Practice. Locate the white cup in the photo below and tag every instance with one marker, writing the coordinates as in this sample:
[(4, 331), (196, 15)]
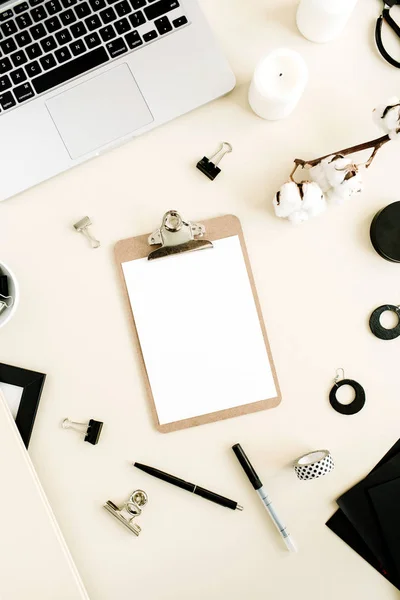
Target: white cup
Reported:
[(323, 20), (13, 290)]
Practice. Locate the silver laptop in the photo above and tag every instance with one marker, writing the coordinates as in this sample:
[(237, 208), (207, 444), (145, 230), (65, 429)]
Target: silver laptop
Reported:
[(78, 77)]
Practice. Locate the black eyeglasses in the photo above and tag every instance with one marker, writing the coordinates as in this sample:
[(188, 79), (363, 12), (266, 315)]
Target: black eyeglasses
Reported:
[(385, 16)]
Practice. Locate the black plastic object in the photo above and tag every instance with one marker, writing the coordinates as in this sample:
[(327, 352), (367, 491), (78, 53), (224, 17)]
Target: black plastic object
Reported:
[(217, 498), (385, 500), (358, 508), (385, 232), (93, 432), (247, 466), (375, 324), (345, 529), (355, 406), (385, 16), (208, 168), (4, 286), (189, 487)]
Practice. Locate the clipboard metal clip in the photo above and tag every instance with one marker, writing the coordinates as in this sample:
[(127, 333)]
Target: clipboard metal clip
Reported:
[(177, 236), (129, 511)]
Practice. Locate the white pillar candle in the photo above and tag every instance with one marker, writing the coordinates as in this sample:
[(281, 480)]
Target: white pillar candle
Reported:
[(278, 84), (323, 20)]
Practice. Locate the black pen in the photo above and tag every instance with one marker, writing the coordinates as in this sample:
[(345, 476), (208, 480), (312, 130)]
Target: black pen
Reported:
[(189, 487)]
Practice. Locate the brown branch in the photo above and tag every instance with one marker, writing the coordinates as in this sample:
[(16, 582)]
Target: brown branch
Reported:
[(374, 153), (296, 166), (375, 144)]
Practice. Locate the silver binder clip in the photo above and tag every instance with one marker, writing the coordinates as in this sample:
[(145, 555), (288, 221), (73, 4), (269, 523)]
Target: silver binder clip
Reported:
[(82, 226), (176, 236), (129, 511)]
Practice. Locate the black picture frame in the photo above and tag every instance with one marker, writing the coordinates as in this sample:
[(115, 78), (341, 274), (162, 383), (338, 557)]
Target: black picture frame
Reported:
[(32, 384)]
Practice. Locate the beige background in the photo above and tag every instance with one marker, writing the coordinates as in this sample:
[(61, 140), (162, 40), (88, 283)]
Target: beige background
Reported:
[(317, 286)]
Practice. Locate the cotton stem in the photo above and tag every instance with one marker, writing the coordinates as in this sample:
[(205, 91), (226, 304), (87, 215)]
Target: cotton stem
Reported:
[(375, 144)]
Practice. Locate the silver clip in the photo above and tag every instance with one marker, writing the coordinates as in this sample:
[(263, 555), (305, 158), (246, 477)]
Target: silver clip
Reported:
[(129, 511), (82, 226), (224, 148), (176, 236)]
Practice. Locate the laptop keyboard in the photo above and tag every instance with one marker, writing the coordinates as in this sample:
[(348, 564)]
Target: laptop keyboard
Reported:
[(44, 44)]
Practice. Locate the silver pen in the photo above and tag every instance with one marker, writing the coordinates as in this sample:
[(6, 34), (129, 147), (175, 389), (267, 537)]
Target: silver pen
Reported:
[(258, 486)]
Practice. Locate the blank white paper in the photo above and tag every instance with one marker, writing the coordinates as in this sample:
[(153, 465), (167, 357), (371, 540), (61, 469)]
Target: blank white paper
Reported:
[(35, 562), (13, 395), (199, 331)]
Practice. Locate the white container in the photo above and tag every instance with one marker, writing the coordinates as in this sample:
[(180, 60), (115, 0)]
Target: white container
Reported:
[(278, 83), (13, 290), (323, 20)]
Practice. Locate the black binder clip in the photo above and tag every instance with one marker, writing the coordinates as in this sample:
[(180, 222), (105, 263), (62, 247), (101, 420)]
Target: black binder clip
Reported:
[(93, 429), (210, 168)]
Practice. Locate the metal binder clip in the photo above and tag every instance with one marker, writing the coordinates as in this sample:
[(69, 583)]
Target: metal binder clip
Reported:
[(210, 168), (176, 236), (93, 429), (129, 511), (82, 226)]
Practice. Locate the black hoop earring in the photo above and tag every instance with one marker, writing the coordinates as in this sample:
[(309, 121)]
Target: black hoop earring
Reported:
[(358, 402), (385, 16), (375, 324)]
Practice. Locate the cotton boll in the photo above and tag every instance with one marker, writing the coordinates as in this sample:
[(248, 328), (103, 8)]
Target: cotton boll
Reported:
[(395, 133), (347, 189), (334, 197), (313, 199), (287, 200), (377, 117), (393, 100), (336, 170), (318, 175), (298, 217), (387, 116), (354, 184), (330, 171)]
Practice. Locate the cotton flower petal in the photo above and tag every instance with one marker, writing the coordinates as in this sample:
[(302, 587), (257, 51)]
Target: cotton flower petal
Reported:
[(287, 200), (387, 116), (347, 189), (330, 171), (393, 100), (313, 199), (335, 198), (395, 133), (318, 175), (298, 217), (336, 171)]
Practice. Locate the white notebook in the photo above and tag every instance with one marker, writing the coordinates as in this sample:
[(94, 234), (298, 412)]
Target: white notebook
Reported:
[(200, 332), (35, 562)]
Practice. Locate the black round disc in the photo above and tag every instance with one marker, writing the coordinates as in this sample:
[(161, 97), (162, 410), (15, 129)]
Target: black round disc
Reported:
[(375, 324), (355, 406), (385, 232)]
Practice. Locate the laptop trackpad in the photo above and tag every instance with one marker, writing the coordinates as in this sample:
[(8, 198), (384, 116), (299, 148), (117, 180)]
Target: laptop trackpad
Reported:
[(99, 111)]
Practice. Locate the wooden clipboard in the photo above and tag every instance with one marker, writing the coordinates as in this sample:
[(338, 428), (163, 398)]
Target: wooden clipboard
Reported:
[(216, 229)]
